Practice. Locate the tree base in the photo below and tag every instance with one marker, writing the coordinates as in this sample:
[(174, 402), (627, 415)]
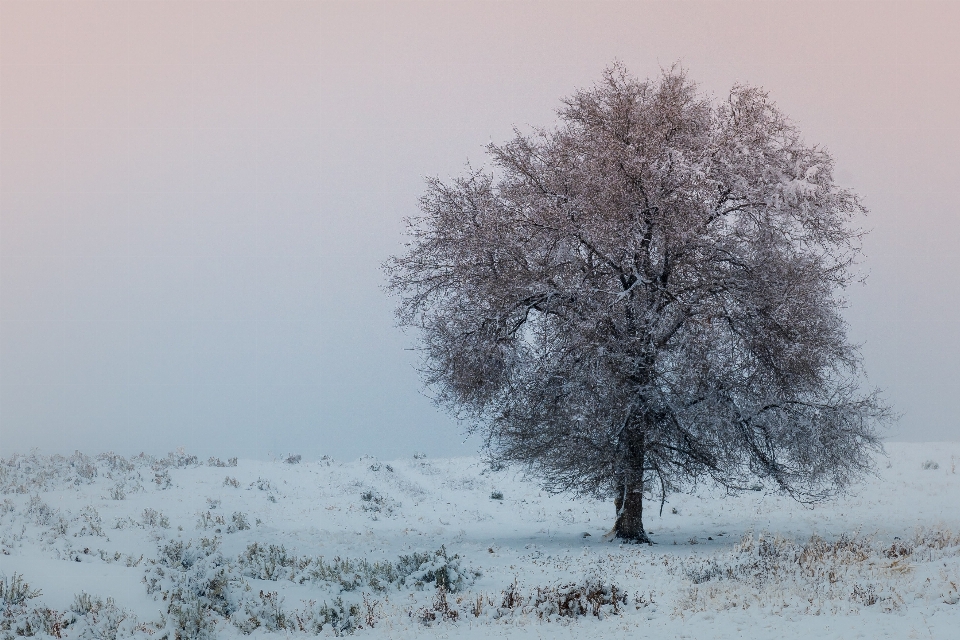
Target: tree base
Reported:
[(628, 528), (641, 538)]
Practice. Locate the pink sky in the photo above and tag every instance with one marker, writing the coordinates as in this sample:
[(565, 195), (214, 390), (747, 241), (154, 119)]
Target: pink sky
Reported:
[(195, 196)]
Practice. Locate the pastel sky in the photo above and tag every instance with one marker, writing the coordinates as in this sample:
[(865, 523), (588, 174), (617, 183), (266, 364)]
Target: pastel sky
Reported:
[(195, 197)]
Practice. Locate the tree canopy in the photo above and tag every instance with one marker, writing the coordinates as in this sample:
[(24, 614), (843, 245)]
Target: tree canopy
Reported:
[(646, 296)]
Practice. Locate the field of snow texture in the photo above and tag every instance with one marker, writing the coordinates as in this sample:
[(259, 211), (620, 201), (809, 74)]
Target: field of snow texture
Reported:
[(108, 546)]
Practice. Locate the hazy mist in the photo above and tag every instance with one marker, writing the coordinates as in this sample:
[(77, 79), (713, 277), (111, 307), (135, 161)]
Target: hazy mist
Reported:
[(195, 197)]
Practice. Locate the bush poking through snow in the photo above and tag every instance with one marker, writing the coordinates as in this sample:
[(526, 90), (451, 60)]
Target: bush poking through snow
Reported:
[(14, 592), (238, 522), (417, 570), (376, 505), (154, 518), (496, 495), (118, 491), (592, 596), (40, 512), (262, 485), (162, 479), (589, 597), (443, 571), (931, 465), (816, 576), (217, 462), (207, 520)]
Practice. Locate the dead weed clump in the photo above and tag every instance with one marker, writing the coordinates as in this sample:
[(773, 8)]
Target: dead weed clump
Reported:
[(816, 576), (589, 597)]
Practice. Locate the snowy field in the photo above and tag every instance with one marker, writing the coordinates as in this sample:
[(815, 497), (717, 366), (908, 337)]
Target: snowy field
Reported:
[(108, 546)]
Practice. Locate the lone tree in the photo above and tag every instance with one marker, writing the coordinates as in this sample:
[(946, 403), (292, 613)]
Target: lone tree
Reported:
[(646, 296)]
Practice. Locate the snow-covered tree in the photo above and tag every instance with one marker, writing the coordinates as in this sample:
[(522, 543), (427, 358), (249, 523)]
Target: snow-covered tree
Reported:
[(647, 296)]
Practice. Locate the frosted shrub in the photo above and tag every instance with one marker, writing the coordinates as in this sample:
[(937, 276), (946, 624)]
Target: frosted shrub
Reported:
[(231, 482), (262, 485), (818, 575), (341, 619), (238, 522), (190, 619), (441, 570), (17, 618), (179, 459), (206, 520), (416, 570), (265, 610), (22, 474), (118, 491), (14, 592), (115, 463), (217, 462), (101, 619), (376, 505), (60, 526), (590, 596), (267, 562), (154, 518), (931, 465), (161, 478), (40, 512), (197, 582)]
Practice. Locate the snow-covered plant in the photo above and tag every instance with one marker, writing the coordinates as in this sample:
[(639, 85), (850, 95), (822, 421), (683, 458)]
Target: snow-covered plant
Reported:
[(35, 472), (268, 562), (154, 518), (198, 583), (17, 618), (179, 459), (376, 504), (15, 592), (189, 618), (416, 570), (647, 296), (313, 618), (161, 478), (238, 522), (207, 520), (94, 617), (118, 491), (441, 570), (262, 484), (266, 610), (817, 575), (115, 463), (40, 512)]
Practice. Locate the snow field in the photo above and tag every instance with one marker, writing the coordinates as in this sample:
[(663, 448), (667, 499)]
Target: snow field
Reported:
[(419, 547)]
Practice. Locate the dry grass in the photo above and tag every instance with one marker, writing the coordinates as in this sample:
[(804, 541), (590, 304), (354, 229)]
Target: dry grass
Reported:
[(817, 576)]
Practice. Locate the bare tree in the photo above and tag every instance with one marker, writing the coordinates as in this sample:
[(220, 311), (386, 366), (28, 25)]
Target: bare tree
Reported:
[(645, 297)]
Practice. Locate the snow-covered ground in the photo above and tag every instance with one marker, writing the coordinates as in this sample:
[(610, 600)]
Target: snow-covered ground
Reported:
[(176, 546)]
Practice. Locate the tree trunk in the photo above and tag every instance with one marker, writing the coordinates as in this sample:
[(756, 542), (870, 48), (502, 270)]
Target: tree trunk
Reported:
[(629, 524)]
